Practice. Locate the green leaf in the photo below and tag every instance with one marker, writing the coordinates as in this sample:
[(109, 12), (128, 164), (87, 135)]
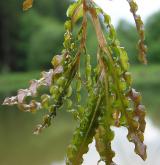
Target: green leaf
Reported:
[(103, 138), (75, 11), (140, 28), (124, 59), (83, 135)]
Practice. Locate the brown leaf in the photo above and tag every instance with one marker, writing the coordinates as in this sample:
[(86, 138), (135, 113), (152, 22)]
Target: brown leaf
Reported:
[(140, 28), (22, 93), (34, 86), (57, 60), (27, 4), (45, 80), (32, 106), (47, 77), (136, 124), (38, 129), (58, 70), (10, 101), (137, 139)]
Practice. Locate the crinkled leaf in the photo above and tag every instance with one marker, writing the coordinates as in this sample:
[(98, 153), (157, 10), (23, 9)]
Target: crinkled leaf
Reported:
[(72, 8), (83, 135), (57, 60), (31, 91), (136, 124), (140, 28), (103, 138), (10, 101), (111, 101)]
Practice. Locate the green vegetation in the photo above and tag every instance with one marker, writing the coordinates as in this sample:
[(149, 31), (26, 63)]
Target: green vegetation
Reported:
[(126, 33), (95, 66), (20, 30), (110, 98), (153, 37), (10, 82)]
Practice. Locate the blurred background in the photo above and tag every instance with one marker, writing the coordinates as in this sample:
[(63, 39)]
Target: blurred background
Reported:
[(28, 41)]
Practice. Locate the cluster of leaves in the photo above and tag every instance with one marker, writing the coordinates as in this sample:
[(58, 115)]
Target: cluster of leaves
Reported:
[(110, 101)]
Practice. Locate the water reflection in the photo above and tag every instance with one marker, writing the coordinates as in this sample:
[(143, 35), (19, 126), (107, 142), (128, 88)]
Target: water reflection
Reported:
[(125, 150), (18, 146)]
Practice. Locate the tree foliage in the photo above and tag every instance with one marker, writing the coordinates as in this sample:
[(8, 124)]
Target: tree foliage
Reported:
[(18, 30), (110, 101), (153, 37), (126, 33)]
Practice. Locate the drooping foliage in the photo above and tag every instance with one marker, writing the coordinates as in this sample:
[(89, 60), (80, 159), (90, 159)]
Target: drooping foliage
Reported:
[(110, 99)]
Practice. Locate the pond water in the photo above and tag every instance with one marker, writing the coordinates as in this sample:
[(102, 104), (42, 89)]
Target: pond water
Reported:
[(125, 150), (18, 146)]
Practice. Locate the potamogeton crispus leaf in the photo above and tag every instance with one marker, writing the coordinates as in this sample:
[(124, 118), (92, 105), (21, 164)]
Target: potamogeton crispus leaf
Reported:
[(136, 124), (27, 4), (104, 134), (136, 129), (45, 80), (140, 28), (31, 91), (84, 134), (69, 75), (75, 11), (103, 137)]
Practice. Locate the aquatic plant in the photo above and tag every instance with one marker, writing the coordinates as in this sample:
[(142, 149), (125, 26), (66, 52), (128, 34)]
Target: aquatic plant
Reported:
[(110, 99)]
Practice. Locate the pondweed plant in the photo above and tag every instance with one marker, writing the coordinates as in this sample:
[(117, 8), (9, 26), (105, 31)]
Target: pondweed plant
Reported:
[(110, 100)]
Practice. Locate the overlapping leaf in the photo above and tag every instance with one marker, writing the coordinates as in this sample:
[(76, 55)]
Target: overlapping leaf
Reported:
[(110, 100), (84, 134)]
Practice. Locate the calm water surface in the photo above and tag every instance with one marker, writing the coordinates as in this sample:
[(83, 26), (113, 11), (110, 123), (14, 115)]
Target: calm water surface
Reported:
[(18, 146), (125, 150)]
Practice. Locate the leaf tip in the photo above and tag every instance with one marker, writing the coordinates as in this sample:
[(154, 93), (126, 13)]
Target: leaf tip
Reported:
[(27, 4)]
